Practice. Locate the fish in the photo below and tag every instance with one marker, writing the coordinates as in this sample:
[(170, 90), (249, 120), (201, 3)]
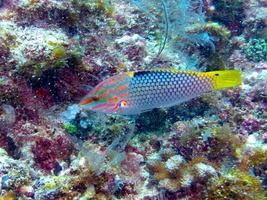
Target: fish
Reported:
[(136, 92)]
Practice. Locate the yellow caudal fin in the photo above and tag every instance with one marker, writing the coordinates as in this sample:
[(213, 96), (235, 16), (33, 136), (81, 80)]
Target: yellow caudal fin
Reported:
[(224, 79)]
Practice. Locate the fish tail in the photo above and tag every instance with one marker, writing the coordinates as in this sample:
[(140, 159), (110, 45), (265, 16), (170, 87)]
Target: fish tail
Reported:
[(225, 79)]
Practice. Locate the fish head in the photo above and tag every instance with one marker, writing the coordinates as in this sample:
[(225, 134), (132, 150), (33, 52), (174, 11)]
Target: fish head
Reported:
[(110, 96)]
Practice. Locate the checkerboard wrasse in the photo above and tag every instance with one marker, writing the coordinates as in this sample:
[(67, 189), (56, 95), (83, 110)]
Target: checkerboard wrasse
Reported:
[(136, 92)]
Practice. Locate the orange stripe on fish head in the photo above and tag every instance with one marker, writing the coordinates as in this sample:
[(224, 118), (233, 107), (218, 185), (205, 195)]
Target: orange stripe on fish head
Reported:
[(109, 96)]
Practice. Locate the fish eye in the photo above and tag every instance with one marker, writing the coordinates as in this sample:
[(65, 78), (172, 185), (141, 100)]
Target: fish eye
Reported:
[(123, 104), (95, 98)]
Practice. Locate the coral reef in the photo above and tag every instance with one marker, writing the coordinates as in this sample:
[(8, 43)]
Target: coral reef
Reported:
[(230, 13), (53, 52)]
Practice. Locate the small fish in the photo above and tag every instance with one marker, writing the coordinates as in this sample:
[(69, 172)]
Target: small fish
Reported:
[(136, 92)]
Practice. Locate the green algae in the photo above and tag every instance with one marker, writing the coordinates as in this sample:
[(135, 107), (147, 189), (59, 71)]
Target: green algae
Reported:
[(71, 128)]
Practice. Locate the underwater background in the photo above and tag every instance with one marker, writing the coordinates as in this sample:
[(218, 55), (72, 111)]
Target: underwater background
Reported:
[(53, 52)]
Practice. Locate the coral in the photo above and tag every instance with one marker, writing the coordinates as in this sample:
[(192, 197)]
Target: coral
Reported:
[(41, 143), (45, 155), (38, 49), (202, 172), (256, 49), (46, 151), (217, 30), (42, 13), (156, 122), (8, 91), (103, 5), (14, 176), (233, 184), (185, 178), (171, 185), (176, 173), (26, 190), (174, 163), (53, 52), (134, 47), (7, 119), (79, 181), (230, 14), (166, 153), (70, 113), (228, 11), (251, 154), (254, 21)]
